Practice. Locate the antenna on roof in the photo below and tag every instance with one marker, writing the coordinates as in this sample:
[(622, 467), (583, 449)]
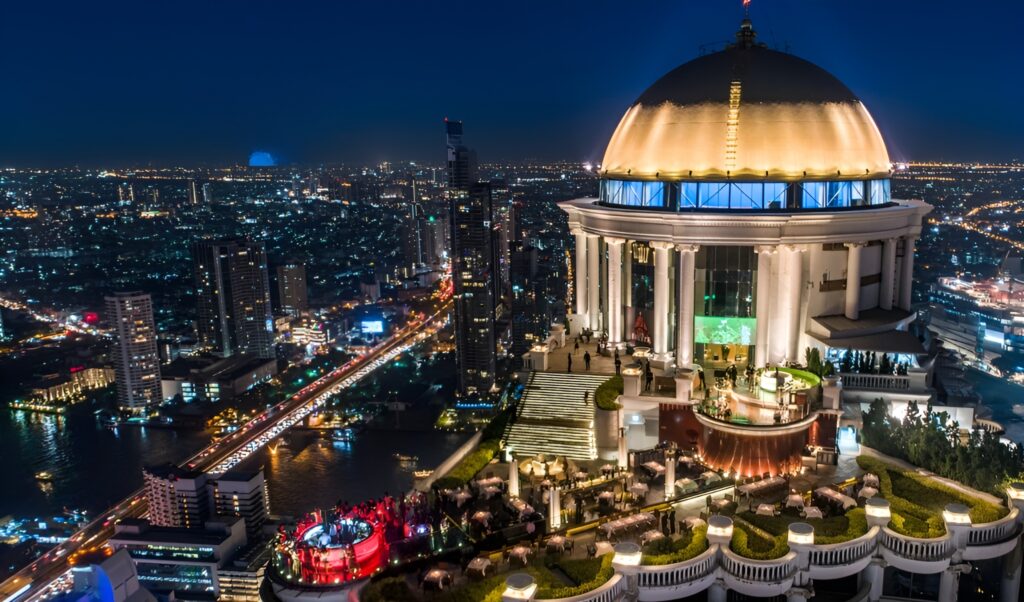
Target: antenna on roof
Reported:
[(746, 8)]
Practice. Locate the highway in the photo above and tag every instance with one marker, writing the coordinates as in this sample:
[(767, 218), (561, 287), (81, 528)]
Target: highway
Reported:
[(50, 572)]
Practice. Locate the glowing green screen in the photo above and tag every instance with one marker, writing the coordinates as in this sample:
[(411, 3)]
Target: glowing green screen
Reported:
[(724, 331)]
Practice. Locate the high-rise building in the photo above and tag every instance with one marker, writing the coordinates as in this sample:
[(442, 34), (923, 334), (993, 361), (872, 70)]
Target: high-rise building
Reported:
[(473, 276), (136, 358), (242, 494), (3, 333), (291, 288), (207, 194), (461, 160), (177, 497), (233, 297), (125, 193), (194, 192), (414, 248)]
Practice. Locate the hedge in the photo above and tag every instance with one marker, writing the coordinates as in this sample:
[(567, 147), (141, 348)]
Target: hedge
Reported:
[(753, 546), (550, 588), (608, 392), (390, 589), (671, 552), (923, 520), (834, 529), (813, 379), (469, 466)]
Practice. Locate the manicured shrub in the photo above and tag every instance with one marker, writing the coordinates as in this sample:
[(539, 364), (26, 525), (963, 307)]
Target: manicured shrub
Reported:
[(665, 551), (608, 392)]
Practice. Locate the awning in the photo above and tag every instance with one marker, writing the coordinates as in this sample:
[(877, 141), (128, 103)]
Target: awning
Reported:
[(895, 341)]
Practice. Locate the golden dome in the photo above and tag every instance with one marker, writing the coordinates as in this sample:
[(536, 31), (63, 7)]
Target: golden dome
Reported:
[(747, 112)]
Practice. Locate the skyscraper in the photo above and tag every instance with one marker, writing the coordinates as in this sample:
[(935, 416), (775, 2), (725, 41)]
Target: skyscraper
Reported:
[(461, 160), (194, 192), (291, 288), (473, 277), (233, 297), (3, 334), (136, 360)]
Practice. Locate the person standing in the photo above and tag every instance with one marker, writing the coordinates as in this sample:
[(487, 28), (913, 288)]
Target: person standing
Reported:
[(569, 363), (618, 365), (586, 359), (576, 348)]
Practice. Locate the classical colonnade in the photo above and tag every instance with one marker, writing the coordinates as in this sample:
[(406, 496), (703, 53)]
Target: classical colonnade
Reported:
[(776, 340)]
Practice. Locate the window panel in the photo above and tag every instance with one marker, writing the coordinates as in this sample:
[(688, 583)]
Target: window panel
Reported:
[(714, 195), (746, 196), (687, 194), (654, 194), (814, 195), (632, 193)]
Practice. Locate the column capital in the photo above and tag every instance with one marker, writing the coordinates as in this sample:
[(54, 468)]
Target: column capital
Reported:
[(614, 240), (792, 248), (660, 245), (766, 249), (576, 230), (854, 245), (687, 248)]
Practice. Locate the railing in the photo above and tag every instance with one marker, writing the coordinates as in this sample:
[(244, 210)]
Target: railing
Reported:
[(611, 591), (914, 548), (990, 426), (844, 553), (996, 531), (881, 382), (762, 571), (679, 573)]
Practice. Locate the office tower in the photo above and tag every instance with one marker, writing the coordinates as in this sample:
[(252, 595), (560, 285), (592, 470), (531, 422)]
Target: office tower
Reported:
[(473, 277), (413, 237), (207, 194), (3, 333), (435, 234), (291, 288), (242, 494), (177, 497), (193, 192), (136, 359), (503, 225), (461, 160), (233, 297), (528, 321), (125, 193)]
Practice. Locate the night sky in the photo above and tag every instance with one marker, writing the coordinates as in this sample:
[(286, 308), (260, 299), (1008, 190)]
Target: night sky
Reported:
[(192, 83)]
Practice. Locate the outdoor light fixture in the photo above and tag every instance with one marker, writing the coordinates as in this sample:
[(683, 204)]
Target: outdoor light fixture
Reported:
[(801, 534), (519, 586), (956, 514), (877, 508), (627, 554), (1015, 491), (720, 527)]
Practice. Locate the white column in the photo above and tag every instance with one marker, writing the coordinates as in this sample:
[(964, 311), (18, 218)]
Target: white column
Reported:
[(581, 273), (854, 252), (614, 304), (554, 509), (623, 446), (670, 475), (513, 477), (907, 273), (888, 273), (792, 291), (949, 582), (661, 293), (684, 344), (765, 258), (717, 592), (1009, 589), (874, 576), (593, 279)]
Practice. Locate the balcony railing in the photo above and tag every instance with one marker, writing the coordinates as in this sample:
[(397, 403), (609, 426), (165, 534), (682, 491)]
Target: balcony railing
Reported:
[(679, 573), (878, 382), (759, 571), (611, 591), (996, 531), (913, 548), (847, 552)]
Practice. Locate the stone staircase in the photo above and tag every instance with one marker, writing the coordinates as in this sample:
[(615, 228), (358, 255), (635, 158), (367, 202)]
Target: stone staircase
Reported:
[(553, 418)]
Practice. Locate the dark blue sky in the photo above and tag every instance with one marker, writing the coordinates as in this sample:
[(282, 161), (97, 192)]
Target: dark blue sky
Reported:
[(104, 83)]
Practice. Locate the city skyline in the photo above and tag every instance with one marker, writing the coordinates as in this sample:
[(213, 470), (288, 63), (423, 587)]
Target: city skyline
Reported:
[(532, 85)]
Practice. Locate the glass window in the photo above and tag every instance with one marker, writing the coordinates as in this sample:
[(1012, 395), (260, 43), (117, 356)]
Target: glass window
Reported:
[(747, 196), (714, 195), (632, 193), (879, 192), (613, 192), (687, 194), (838, 194), (856, 194), (654, 194), (814, 195), (775, 195)]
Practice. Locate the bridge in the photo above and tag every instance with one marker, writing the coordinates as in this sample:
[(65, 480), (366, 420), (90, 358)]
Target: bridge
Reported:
[(52, 571)]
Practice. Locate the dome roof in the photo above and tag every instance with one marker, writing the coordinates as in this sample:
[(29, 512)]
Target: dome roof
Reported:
[(747, 112)]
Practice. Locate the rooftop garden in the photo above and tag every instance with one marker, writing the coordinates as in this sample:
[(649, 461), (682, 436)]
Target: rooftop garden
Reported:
[(917, 502), (476, 460), (932, 441), (670, 551)]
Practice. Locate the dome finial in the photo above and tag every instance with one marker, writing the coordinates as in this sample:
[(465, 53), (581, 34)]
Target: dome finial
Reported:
[(746, 35)]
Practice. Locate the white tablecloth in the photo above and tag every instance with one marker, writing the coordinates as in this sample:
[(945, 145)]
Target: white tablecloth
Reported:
[(766, 510), (867, 492), (655, 467), (711, 477), (686, 485), (795, 500), (812, 512), (845, 500), (763, 485)]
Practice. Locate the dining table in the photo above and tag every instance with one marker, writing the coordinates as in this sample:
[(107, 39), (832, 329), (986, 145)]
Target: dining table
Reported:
[(765, 510), (812, 512), (846, 501), (795, 500), (437, 579), (686, 485), (479, 566)]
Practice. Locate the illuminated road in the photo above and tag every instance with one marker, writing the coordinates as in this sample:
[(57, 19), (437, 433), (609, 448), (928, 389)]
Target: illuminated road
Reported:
[(966, 223), (51, 571)]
